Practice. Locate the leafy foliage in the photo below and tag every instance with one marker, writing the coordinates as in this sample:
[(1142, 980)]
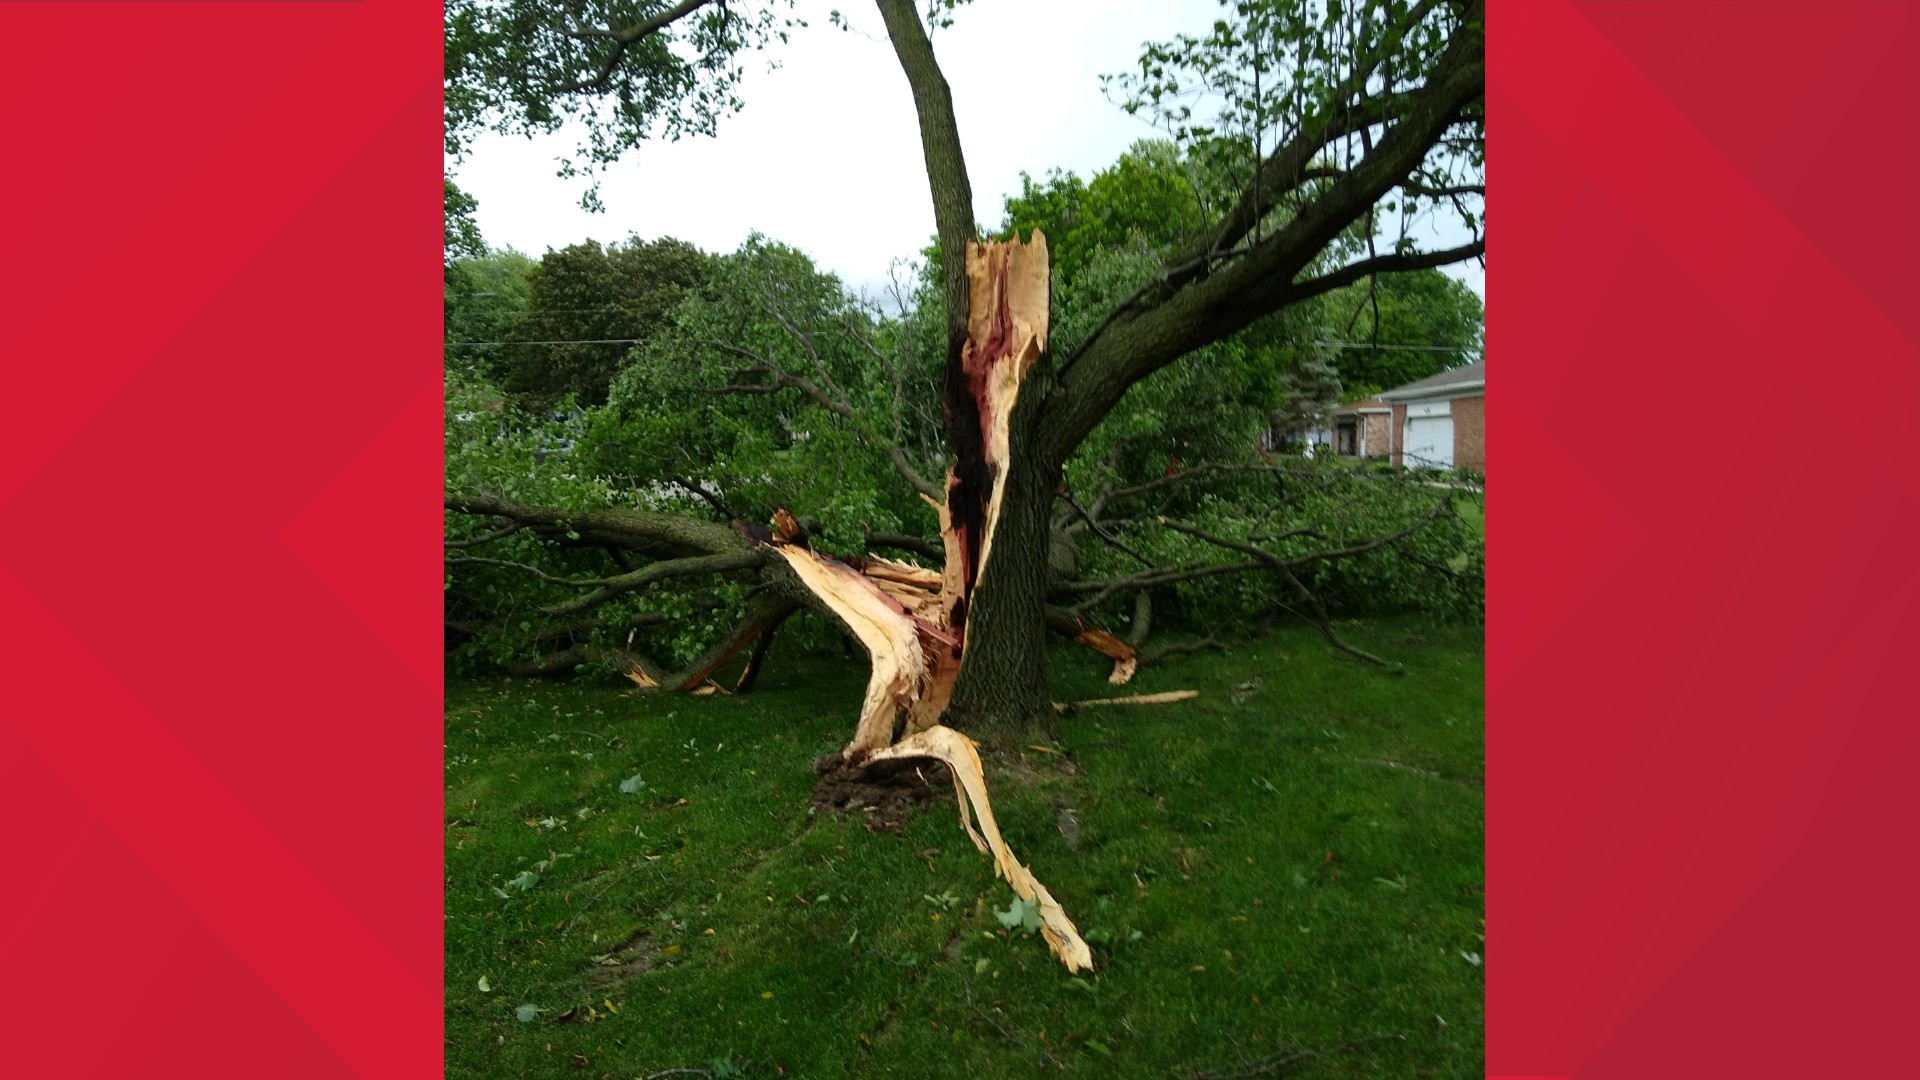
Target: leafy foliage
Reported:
[(1271, 69), (622, 71), (1436, 315), (586, 306), (710, 402), (487, 297), (463, 239), (759, 381)]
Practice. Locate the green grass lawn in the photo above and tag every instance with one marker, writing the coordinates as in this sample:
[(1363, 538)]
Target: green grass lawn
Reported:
[(1472, 509), (1294, 860)]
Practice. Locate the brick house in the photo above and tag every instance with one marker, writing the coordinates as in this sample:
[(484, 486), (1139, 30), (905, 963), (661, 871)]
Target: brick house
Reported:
[(1441, 421), (1363, 429)]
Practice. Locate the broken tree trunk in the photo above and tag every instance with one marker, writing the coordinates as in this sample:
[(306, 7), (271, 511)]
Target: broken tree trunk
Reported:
[(914, 621)]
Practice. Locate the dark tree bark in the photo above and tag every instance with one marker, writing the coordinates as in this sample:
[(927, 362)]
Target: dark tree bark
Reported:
[(1002, 688)]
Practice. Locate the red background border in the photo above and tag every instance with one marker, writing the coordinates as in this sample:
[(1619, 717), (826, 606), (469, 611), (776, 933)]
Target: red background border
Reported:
[(1700, 826), (221, 360), (219, 553)]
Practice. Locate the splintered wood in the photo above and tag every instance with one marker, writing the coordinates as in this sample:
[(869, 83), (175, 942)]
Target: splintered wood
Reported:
[(913, 620), (970, 785)]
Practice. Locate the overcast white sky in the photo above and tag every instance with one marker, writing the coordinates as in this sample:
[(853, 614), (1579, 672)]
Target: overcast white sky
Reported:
[(826, 154)]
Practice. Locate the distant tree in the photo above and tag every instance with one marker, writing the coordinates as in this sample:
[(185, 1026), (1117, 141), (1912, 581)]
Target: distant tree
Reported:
[(486, 305), (1406, 326), (587, 306), (463, 232)]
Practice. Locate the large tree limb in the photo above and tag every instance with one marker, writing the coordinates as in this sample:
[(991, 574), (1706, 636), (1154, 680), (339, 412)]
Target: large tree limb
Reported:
[(1289, 165), (1181, 319), (1386, 264), (639, 579), (764, 612), (622, 38), (652, 533)]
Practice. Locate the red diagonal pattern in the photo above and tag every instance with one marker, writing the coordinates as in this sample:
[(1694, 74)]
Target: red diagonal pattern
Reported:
[(220, 282), (343, 534), (1670, 757), (232, 872), (310, 88)]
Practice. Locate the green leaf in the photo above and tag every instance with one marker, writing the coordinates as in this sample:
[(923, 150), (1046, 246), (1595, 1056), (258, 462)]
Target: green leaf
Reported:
[(1023, 914)]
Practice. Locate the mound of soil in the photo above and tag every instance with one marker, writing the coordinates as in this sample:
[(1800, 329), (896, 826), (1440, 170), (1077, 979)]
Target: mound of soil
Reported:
[(887, 794)]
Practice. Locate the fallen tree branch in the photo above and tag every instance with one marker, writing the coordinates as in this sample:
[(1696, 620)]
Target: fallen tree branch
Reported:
[(486, 538), (1126, 659), (612, 587), (1210, 643)]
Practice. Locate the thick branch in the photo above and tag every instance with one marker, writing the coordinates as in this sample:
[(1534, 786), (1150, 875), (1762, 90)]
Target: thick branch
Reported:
[(1385, 264), (628, 35), (1148, 579), (652, 533), (1133, 345), (763, 614), (639, 579), (623, 37), (487, 537)]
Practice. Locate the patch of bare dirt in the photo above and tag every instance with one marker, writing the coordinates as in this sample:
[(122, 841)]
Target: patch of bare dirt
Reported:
[(886, 794), (634, 957)]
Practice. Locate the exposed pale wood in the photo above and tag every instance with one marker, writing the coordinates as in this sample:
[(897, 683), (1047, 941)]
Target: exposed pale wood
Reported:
[(1006, 334), (1163, 698), (963, 760), (883, 627)]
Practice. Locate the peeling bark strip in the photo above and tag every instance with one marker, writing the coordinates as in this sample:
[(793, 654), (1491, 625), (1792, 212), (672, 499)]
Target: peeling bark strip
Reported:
[(912, 620), (970, 784)]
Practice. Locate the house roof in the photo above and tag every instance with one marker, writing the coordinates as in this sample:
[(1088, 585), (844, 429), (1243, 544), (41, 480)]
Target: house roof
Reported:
[(1453, 382), (1372, 404)]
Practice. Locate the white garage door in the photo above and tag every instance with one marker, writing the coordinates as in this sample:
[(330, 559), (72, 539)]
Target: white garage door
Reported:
[(1428, 439)]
